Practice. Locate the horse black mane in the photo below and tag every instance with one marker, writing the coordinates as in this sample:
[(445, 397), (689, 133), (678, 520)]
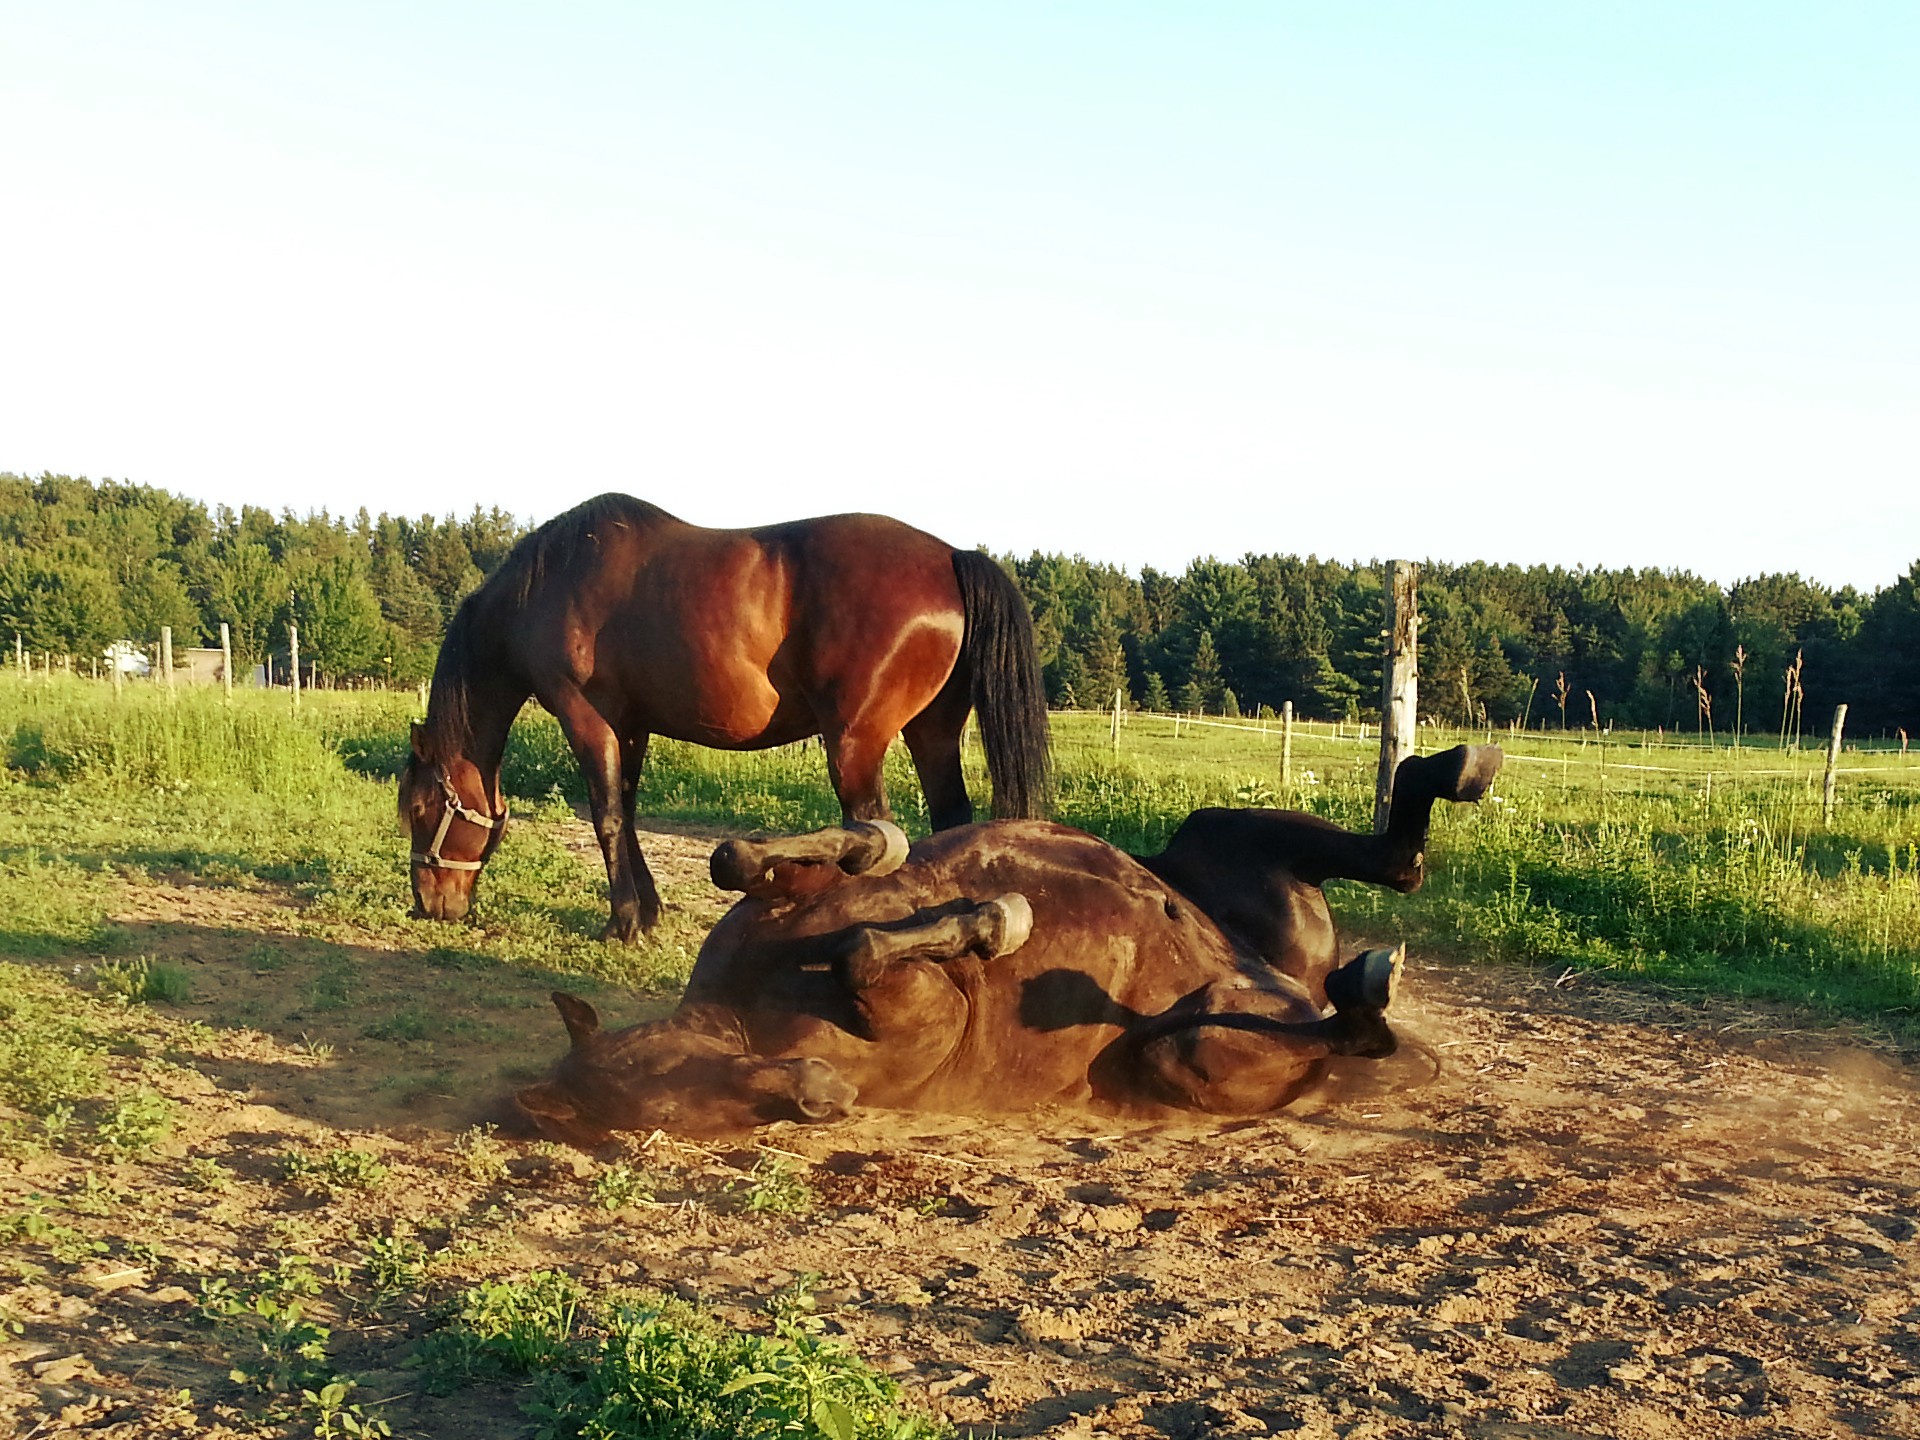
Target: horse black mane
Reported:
[(557, 548)]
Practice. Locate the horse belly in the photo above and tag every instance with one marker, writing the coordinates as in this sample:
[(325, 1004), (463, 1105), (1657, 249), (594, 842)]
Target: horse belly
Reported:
[(704, 642), (1107, 950)]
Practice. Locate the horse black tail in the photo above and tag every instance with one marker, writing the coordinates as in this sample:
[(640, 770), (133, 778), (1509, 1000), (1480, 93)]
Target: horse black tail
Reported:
[(1008, 694)]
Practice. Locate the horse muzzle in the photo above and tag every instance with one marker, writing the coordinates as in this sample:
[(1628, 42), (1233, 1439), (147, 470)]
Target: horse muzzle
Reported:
[(441, 894)]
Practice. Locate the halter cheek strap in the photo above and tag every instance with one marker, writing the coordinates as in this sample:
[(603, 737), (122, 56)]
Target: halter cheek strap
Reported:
[(431, 856)]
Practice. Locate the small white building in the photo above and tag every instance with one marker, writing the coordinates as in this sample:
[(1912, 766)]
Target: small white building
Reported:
[(128, 658)]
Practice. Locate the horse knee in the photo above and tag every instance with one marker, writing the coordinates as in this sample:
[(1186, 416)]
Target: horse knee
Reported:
[(862, 962)]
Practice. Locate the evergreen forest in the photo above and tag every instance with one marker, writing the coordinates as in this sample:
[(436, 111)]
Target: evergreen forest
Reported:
[(84, 565)]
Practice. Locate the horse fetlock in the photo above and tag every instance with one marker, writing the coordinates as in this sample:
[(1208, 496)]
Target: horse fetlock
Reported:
[(792, 866)]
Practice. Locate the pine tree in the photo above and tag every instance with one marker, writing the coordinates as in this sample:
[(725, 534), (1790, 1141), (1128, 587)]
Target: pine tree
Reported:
[(1204, 689), (1157, 700), (1104, 660)]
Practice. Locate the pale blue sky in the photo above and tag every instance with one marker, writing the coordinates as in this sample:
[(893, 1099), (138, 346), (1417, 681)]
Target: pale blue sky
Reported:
[(1602, 284)]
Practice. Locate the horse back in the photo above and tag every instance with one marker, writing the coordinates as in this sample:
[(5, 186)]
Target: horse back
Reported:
[(749, 637)]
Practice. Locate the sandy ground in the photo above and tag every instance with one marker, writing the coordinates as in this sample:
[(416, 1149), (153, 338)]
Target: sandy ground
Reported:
[(1563, 1209)]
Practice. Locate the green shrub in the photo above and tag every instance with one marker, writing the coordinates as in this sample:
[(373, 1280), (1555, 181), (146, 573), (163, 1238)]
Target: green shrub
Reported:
[(642, 1367)]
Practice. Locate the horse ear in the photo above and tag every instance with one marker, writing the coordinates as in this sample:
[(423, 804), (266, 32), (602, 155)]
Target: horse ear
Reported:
[(547, 1101), (577, 1015), (417, 737)]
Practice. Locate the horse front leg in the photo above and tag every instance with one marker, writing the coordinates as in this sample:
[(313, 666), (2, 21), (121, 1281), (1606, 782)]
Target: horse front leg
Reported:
[(633, 755), (855, 757), (599, 752)]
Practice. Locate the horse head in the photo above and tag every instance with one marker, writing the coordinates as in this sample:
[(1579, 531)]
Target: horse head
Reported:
[(691, 1073), (455, 818)]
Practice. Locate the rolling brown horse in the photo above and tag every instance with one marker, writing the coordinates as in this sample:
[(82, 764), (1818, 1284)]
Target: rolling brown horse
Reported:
[(627, 623)]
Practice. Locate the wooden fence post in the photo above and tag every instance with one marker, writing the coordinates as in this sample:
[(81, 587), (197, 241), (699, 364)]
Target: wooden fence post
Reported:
[(1286, 744), (20, 656), (166, 656), (1116, 722), (1399, 685), (113, 664), (226, 661), (293, 662), (1833, 760)]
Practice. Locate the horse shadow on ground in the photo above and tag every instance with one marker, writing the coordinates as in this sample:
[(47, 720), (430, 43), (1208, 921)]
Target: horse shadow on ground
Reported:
[(351, 1036)]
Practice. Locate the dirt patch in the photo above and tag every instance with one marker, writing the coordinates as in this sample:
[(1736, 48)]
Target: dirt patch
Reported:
[(1560, 1210)]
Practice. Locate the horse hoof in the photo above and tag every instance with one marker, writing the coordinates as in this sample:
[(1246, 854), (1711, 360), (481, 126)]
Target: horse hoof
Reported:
[(625, 932), (1466, 772), (734, 865), (1366, 982), (893, 846), (1009, 923)]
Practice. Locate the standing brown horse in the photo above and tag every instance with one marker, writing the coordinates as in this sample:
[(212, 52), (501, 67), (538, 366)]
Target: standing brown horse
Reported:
[(626, 623)]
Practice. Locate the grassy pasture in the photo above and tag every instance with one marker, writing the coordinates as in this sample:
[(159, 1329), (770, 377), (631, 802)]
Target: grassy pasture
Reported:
[(1688, 866)]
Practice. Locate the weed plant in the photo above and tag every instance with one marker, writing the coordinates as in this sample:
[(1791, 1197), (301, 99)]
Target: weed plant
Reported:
[(775, 1189), (620, 1185), (143, 980), (639, 1366), (332, 1171)]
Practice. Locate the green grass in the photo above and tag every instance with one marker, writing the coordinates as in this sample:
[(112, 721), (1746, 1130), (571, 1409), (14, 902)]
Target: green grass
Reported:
[(1686, 863)]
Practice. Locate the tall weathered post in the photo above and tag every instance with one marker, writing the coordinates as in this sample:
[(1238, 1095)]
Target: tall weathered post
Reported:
[(1833, 761), (293, 661), (226, 661), (1286, 744), (1399, 688), (166, 656)]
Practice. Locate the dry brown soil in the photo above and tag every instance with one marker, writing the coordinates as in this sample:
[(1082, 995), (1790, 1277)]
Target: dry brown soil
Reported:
[(1562, 1209)]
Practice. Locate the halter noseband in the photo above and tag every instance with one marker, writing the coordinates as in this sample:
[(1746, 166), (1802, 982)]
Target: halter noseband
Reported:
[(431, 856)]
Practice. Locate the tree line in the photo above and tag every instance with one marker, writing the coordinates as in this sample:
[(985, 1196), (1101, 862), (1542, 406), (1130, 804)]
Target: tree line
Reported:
[(83, 565)]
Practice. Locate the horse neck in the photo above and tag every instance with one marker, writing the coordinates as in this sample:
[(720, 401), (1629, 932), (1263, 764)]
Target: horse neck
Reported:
[(489, 722), (490, 707)]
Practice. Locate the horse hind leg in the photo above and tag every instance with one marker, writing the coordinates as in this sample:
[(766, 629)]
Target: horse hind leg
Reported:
[(793, 866), (1460, 775), (868, 954), (933, 740)]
